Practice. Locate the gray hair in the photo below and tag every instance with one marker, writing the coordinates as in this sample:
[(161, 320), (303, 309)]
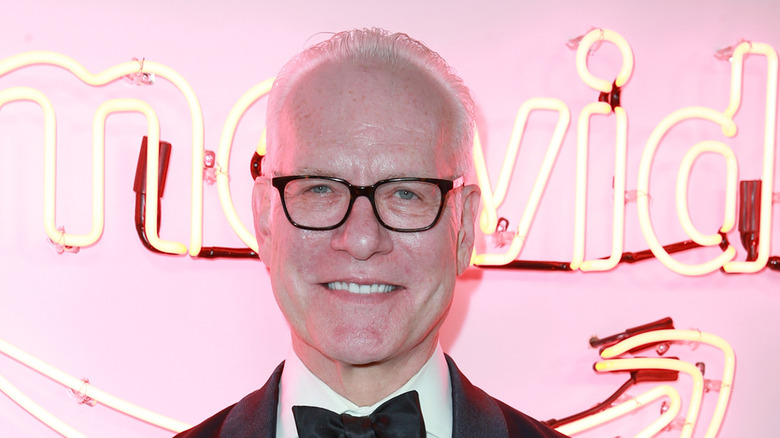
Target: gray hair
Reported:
[(381, 47)]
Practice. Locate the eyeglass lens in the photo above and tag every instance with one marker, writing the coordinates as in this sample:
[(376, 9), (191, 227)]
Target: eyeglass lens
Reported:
[(324, 203)]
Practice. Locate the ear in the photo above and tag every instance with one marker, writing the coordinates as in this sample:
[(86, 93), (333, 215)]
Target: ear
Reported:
[(466, 234), (261, 205)]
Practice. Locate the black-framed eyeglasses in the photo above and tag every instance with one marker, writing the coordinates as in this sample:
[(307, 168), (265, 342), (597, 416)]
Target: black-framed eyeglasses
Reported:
[(400, 204)]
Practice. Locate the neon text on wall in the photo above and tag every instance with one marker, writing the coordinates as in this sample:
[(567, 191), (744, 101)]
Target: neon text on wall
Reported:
[(614, 360), (493, 197), (114, 73)]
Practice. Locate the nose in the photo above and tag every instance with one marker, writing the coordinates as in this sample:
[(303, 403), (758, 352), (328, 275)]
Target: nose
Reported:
[(362, 236)]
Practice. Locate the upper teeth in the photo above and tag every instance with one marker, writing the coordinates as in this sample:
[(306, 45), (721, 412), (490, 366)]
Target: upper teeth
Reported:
[(360, 288)]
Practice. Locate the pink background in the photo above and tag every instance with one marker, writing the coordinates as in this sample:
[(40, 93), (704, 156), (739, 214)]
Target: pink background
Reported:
[(185, 337)]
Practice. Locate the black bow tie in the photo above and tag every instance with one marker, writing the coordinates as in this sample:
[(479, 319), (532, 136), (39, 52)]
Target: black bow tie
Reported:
[(399, 417)]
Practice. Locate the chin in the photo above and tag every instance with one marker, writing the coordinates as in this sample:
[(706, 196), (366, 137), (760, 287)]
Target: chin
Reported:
[(361, 349)]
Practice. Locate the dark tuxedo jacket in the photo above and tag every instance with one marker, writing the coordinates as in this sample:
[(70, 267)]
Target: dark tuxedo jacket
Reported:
[(474, 414)]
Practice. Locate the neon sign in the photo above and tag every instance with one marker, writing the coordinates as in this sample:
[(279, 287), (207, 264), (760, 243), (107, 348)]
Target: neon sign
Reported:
[(493, 197), (626, 352), (88, 394), (612, 362), (109, 75), (729, 128)]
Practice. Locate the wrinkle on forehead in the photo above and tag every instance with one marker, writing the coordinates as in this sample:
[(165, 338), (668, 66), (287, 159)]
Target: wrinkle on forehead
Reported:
[(368, 128)]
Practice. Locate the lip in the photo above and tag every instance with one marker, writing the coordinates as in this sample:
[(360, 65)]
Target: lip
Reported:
[(361, 288)]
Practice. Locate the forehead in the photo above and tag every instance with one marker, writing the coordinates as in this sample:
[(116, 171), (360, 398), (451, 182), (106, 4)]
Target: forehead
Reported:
[(384, 120)]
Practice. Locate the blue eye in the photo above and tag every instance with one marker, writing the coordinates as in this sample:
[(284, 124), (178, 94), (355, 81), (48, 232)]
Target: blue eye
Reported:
[(320, 189), (405, 194)]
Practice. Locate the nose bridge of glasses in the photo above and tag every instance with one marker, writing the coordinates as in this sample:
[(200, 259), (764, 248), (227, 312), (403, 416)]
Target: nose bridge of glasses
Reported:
[(367, 191), (358, 191)]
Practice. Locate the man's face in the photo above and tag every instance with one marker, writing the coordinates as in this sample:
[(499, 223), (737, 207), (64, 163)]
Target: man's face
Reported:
[(364, 124)]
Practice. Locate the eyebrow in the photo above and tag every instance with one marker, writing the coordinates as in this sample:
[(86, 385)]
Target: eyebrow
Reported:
[(457, 182), (314, 171)]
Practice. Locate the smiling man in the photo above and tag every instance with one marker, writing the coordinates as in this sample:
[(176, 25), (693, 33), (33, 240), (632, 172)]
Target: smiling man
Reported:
[(364, 222)]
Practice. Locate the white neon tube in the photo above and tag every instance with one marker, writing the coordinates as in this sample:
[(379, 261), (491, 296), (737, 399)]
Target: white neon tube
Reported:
[(37, 411), (618, 197), (50, 168), (49, 153), (492, 200), (629, 406), (643, 186), (93, 392), (261, 143), (581, 178), (730, 214), (583, 139), (581, 185), (223, 159), (152, 164), (583, 51), (695, 336), (111, 74), (489, 215), (770, 130), (664, 364)]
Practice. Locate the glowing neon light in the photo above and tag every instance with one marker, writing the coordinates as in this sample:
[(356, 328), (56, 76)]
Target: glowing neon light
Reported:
[(37, 411), (111, 74), (597, 35), (664, 364), (629, 406), (726, 121), (695, 336), (581, 178), (643, 186), (770, 132), (583, 138), (78, 385), (619, 189), (223, 158), (492, 200), (730, 216), (152, 160), (49, 146)]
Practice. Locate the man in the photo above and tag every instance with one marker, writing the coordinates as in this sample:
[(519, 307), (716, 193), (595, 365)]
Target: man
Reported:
[(364, 222)]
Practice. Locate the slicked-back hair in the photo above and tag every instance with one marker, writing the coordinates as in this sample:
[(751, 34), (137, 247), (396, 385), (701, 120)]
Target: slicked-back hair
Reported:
[(379, 47)]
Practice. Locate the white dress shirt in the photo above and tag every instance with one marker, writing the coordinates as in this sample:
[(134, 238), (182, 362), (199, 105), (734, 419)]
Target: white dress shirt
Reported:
[(299, 387)]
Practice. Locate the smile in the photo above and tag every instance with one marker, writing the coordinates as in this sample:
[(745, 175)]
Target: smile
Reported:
[(361, 288)]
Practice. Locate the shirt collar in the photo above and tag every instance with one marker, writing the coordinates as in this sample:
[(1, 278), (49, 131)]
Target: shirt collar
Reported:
[(298, 386)]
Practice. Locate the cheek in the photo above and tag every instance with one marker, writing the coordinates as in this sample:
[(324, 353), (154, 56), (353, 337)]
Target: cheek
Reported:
[(292, 256), (285, 237), (296, 258), (298, 252), (428, 257)]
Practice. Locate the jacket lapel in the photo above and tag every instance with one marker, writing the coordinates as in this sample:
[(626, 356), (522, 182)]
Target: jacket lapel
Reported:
[(474, 413), (255, 415)]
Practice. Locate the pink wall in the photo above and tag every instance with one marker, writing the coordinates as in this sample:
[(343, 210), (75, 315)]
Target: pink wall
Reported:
[(186, 337)]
